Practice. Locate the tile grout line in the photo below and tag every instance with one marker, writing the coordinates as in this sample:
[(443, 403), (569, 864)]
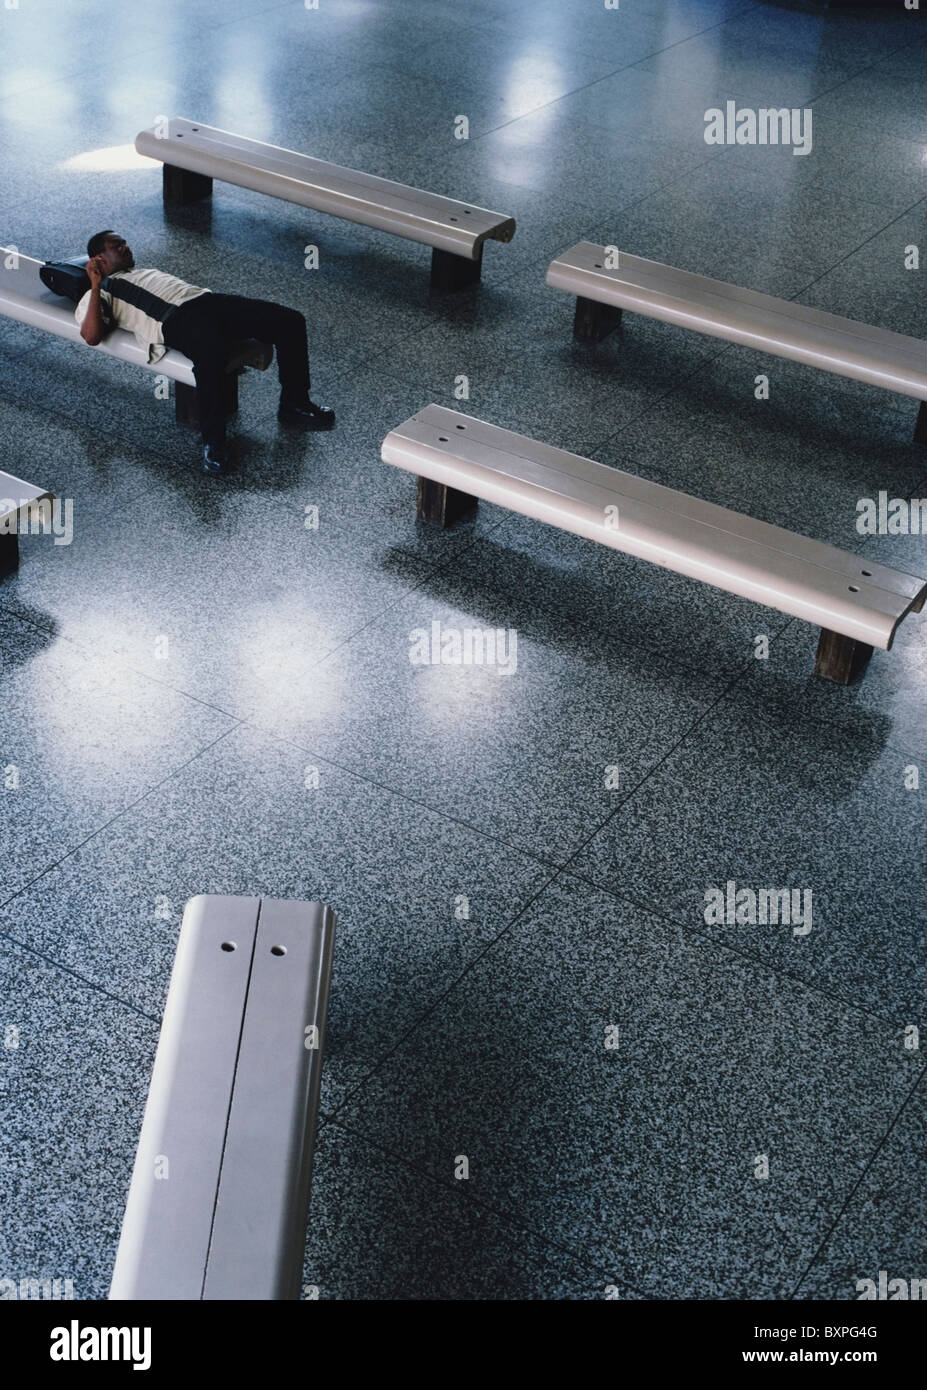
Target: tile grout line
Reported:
[(125, 810), (819, 990), (558, 870), (436, 1003), (841, 260), (500, 1213), (553, 868), (856, 1186), (76, 975), (636, 62)]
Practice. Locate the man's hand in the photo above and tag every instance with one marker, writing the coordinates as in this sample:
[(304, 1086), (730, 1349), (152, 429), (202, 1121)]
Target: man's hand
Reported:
[(94, 326), (95, 272)]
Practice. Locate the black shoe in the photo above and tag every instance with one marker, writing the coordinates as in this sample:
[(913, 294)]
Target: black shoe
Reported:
[(306, 414), (215, 458)]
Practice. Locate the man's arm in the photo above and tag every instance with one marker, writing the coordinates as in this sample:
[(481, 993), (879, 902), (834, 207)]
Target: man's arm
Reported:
[(95, 323)]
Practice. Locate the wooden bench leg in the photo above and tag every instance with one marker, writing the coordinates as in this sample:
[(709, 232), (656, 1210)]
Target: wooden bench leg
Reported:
[(182, 186), (594, 321), (186, 409), (920, 427), (450, 272), (441, 504), (841, 659), (9, 553)]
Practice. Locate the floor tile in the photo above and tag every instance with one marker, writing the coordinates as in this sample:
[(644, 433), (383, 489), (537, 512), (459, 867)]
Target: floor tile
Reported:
[(643, 1156), (801, 458), (882, 1228), (733, 62), (638, 740), (768, 799), (513, 344), (80, 742), (874, 285), (882, 101), (68, 1133), (417, 896), (520, 746), (378, 1229), (744, 233)]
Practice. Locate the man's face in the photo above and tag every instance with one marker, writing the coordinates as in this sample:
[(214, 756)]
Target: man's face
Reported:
[(118, 254)]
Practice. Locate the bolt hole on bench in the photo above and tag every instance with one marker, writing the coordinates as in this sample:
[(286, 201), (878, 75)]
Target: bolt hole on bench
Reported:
[(460, 460)]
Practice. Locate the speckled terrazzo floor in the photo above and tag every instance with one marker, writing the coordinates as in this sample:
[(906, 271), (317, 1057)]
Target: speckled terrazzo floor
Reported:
[(758, 1130)]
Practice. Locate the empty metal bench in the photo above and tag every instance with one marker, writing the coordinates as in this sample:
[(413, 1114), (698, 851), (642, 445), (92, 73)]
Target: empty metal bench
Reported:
[(23, 297), (219, 1195), (194, 154), (19, 502), (857, 603), (843, 346)]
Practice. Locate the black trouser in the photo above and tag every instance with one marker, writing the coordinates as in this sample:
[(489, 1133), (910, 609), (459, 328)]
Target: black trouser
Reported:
[(205, 330)]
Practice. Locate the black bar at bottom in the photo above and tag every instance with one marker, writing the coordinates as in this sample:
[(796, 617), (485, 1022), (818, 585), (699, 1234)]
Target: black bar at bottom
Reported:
[(186, 408)]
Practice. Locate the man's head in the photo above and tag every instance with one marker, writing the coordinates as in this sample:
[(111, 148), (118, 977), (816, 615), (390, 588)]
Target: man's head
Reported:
[(112, 250)]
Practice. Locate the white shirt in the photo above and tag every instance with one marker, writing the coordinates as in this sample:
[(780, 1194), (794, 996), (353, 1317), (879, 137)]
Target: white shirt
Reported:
[(139, 301)]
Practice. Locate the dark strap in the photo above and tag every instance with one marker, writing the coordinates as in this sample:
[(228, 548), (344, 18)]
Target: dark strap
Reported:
[(148, 303)]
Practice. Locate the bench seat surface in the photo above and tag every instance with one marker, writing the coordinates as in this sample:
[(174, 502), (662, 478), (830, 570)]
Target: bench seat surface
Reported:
[(445, 223), (232, 1103), (21, 494), (831, 588), (797, 331), (23, 297)]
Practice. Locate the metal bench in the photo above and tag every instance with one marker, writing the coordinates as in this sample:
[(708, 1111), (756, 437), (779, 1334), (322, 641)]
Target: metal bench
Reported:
[(843, 346), (219, 1196), (857, 603), (194, 154), (18, 500), (23, 297)]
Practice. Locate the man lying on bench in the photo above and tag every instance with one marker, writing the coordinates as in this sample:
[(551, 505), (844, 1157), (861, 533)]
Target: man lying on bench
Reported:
[(164, 312)]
